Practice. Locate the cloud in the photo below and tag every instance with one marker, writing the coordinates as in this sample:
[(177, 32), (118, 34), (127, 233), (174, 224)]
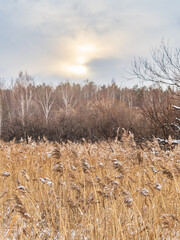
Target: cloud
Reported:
[(41, 35)]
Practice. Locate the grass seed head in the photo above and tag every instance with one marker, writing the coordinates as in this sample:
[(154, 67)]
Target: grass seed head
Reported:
[(5, 174)]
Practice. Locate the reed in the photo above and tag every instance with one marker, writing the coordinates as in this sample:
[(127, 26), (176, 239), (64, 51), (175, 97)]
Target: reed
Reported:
[(105, 190)]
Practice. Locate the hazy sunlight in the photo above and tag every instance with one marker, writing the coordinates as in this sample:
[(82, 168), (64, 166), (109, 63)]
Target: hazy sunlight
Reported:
[(76, 69)]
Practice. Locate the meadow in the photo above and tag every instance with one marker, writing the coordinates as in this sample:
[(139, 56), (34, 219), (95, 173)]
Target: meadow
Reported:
[(106, 190)]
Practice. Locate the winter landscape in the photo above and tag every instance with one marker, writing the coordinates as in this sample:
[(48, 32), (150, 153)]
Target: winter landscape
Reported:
[(89, 120), (105, 190)]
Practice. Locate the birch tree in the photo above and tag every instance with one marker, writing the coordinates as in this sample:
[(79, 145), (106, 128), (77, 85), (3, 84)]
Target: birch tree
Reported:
[(23, 95), (67, 97), (1, 105), (46, 100)]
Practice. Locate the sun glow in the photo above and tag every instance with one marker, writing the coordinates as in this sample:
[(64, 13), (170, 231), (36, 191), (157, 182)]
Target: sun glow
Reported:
[(81, 60), (86, 48), (76, 63), (77, 69)]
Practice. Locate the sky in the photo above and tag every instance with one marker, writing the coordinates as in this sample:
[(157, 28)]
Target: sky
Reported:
[(58, 40)]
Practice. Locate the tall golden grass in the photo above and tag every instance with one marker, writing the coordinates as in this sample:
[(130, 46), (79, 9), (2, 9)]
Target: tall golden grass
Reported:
[(106, 190)]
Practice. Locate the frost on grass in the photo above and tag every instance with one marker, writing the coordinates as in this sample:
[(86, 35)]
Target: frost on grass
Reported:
[(5, 174), (87, 191)]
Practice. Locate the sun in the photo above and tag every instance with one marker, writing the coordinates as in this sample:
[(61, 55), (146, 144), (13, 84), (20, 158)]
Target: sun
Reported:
[(77, 69), (73, 69), (77, 64)]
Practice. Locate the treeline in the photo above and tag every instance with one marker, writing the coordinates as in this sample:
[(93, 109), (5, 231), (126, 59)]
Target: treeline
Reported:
[(75, 112)]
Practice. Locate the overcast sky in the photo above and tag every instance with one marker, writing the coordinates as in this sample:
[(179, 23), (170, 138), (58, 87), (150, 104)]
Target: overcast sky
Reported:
[(55, 40)]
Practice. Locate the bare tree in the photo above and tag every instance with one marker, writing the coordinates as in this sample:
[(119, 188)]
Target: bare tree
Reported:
[(163, 68), (22, 97), (1, 105), (68, 99), (46, 101)]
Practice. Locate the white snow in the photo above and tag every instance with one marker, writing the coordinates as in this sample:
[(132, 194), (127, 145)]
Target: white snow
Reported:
[(175, 141), (5, 174), (176, 107)]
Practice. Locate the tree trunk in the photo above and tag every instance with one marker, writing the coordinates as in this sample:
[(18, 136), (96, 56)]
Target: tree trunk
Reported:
[(1, 113)]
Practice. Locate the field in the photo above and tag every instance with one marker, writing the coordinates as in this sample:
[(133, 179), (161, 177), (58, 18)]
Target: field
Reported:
[(107, 190)]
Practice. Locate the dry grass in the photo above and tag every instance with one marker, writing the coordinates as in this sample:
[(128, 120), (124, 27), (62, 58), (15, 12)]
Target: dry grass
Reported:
[(89, 191)]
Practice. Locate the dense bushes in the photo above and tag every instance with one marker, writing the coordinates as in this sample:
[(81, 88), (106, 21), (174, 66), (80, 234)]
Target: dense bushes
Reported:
[(92, 112)]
